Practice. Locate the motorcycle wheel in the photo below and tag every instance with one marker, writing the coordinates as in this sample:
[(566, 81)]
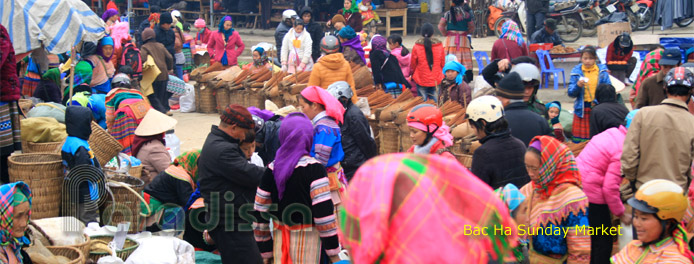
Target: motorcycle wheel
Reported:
[(569, 29), (633, 20), (500, 22), (684, 22), (644, 16), (589, 19)]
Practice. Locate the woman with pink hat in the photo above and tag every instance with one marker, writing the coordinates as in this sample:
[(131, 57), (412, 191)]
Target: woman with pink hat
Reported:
[(203, 35)]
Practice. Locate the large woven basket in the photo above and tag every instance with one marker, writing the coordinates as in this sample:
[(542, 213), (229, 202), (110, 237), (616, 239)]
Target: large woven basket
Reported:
[(136, 171), (127, 208), (237, 97), (25, 105), (256, 98), (208, 104), (43, 172), (405, 140), (104, 146), (222, 97), (74, 255), (464, 159), (82, 247), (45, 147), (128, 248), (197, 96), (373, 123), (389, 138)]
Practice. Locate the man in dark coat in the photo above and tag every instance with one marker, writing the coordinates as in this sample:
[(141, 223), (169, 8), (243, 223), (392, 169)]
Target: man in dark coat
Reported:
[(229, 182), (314, 29), (357, 142), (287, 23), (165, 35), (497, 69), (524, 124), (608, 113), (537, 9)]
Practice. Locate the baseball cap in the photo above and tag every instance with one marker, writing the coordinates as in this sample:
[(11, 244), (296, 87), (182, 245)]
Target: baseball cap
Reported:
[(671, 57)]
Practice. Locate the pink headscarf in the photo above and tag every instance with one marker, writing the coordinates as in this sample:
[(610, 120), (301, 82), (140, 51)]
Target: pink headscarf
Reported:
[(333, 107), (443, 133)]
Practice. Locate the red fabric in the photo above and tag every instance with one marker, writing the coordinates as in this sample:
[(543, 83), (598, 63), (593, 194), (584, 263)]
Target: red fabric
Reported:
[(419, 67), (9, 83), (499, 51), (612, 56), (234, 47), (111, 5), (205, 36)]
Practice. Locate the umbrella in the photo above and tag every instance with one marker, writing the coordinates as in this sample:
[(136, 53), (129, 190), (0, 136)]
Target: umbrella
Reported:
[(58, 25)]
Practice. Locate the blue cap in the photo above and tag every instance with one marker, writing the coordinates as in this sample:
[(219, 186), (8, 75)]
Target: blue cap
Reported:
[(671, 57)]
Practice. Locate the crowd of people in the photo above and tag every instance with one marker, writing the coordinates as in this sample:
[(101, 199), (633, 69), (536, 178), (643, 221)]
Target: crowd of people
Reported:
[(270, 187)]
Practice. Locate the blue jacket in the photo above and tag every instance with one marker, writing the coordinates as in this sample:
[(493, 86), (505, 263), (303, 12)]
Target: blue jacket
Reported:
[(578, 92)]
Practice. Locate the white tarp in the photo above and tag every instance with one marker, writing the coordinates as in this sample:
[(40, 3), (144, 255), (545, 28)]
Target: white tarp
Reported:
[(57, 24)]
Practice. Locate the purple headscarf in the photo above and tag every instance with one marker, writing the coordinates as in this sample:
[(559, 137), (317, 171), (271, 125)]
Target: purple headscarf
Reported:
[(264, 114), (109, 13), (355, 44), (296, 139), (379, 43)]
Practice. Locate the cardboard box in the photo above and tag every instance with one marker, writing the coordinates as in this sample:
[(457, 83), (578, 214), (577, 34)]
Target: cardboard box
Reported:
[(608, 32)]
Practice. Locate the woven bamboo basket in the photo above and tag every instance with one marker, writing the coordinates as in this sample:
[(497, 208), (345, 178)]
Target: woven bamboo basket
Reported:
[(389, 138), (128, 248), (25, 105), (405, 140), (208, 104), (197, 96), (104, 146), (237, 97), (373, 123), (256, 98), (136, 171), (222, 97), (81, 247), (74, 255), (464, 159), (45, 147), (43, 173), (127, 207)]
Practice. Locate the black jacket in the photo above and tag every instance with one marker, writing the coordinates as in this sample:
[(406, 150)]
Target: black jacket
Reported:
[(537, 6), (525, 124), (542, 36), (500, 160), (281, 30), (390, 72), (224, 170), (166, 38), (138, 34), (356, 140), (269, 137), (168, 189), (605, 116), (315, 30), (78, 122)]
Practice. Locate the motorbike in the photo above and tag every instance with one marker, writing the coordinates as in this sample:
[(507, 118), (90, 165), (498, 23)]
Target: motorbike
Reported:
[(607, 7), (569, 25), (589, 16), (645, 12)]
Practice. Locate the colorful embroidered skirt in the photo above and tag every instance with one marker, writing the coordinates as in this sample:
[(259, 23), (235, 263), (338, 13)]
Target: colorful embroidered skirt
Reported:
[(9, 128), (462, 50), (296, 244), (31, 81), (581, 126), (188, 65)]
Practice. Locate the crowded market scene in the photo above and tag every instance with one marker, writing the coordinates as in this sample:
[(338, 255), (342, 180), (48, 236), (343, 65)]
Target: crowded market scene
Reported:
[(167, 131)]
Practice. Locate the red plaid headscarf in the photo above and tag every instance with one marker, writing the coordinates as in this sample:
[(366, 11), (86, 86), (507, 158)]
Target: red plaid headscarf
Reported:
[(558, 166)]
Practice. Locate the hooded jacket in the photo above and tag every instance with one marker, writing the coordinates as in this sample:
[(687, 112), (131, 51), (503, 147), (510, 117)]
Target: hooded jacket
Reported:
[(419, 67), (162, 58), (599, 165), (76, 150), (500, 160), (578, 92), (304, 50), (332, 68), (315, 30), (281, 30), (386, 69), (608, 113), (356, 140)]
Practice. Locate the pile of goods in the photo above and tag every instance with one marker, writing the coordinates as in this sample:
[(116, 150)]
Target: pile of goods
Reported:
[(562, 50)]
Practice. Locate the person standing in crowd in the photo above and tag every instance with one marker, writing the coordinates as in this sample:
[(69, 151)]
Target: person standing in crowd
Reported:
[(350, 41), (524, 124), (608, 112), (179, 57), (535, 16), (260, 61), (403, 55), (149, 146), (426, 63), (357, 142), (386, 68), (585, 78), (164, 61), (555, 200), (103, 69), (110, 17), (510, 44), (332, 67), (456, 24), (288, 17), (296, 49), (204, 33), (351, 15), (314, 29), (621, 50), (226, 179), (412, 182), (547, 34), (327, 114), (501, 158), (150, 22), (296, 178), (16, 211), (599, 164), (649, 67), (530, 75), (225, 45), (428, 132), (165, 35), (659, 206), (660, 141), (453, 87), (651, 91), (10, 93)]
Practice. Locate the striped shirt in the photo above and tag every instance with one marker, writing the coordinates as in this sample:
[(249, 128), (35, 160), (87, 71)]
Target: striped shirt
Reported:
[(662, 252)]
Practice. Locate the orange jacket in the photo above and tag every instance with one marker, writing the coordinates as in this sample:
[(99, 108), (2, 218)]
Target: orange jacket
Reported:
[(419, 68), (332, 68)]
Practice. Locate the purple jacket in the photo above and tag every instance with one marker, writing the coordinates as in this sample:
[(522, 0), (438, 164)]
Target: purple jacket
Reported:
[(600, 167)]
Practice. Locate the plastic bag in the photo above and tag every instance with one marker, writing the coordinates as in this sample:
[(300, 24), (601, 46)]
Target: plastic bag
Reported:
[(162, 250), (187, 100), (173, 145), (613, 18)]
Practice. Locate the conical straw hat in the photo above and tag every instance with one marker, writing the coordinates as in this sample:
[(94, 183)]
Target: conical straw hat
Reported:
[(618, 85), (155, 123)]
